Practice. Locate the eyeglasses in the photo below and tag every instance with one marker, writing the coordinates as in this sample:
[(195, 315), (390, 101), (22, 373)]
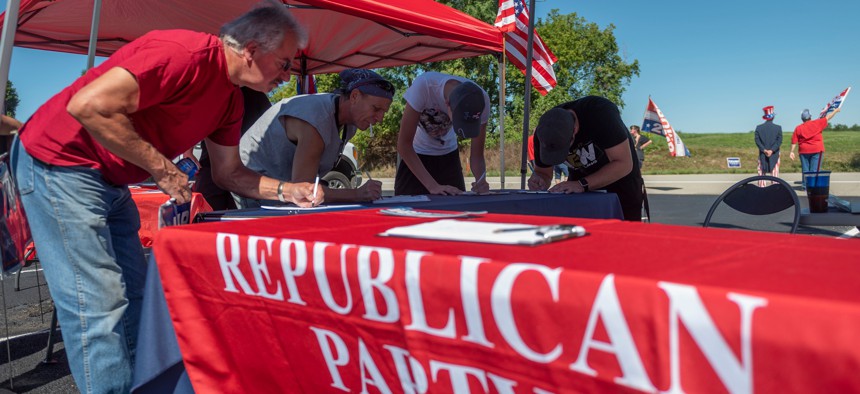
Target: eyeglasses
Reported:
[(380, 83), (286, 65)]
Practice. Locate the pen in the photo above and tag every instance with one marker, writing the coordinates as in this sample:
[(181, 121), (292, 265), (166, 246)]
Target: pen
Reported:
[(572, 229), (510, 230), (482, 176), (366, 172), (316, 185)]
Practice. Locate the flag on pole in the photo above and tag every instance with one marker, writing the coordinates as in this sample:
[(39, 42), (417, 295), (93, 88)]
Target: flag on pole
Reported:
[(835, 103), (513, 20), (307, 80), (656, 123)]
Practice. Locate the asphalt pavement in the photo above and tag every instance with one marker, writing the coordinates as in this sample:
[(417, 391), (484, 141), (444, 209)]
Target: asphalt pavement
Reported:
[(674, 199)]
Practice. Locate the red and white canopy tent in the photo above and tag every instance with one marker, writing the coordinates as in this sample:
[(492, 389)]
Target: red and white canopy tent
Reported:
[(343, 34)]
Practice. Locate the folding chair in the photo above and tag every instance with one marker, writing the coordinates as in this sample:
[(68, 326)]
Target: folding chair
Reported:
[(748, 197)]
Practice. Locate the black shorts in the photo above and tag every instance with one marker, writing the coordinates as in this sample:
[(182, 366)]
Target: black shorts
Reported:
[(445, 169)]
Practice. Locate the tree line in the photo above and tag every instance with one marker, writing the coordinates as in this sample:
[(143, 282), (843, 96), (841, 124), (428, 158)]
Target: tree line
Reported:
[(842, 127)]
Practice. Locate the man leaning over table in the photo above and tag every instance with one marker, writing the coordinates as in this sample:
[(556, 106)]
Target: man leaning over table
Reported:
[(589, 136), (120, 123)]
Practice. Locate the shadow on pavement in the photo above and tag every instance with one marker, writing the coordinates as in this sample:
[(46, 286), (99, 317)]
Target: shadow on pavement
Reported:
[(30, 373)]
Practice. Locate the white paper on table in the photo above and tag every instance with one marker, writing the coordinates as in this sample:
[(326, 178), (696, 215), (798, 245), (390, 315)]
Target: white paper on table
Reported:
[(399, 199), (489, 193), (414, 213), (316, 208), (483, 232)]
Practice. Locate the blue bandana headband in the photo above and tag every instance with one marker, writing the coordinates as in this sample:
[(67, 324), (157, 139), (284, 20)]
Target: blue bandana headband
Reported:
[(367, 82)]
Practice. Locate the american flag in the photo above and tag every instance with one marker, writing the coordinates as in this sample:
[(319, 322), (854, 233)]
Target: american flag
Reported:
[(307, 80), (835, 103), (513, 20), (656, 123)]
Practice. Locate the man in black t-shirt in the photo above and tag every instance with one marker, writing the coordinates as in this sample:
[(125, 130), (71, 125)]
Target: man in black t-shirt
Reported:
[(256, 103), (589, 136)]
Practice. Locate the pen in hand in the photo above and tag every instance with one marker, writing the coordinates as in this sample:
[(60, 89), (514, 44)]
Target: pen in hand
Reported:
[(316, 185)]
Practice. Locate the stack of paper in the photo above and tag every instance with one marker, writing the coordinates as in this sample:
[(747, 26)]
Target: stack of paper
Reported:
[(401, 199), (414, 213)]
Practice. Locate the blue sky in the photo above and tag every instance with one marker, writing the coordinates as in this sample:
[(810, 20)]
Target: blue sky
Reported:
[(709, 66), (712, 65)]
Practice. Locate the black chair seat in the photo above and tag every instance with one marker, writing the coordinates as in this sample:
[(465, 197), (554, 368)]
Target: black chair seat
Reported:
[(749, 198)]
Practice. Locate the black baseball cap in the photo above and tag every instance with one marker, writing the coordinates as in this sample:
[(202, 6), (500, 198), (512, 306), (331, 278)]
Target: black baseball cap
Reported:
[(555, 131), (467, 105)]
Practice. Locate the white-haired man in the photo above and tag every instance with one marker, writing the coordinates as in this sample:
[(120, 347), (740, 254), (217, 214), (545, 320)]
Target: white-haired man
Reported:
[(120, 123)]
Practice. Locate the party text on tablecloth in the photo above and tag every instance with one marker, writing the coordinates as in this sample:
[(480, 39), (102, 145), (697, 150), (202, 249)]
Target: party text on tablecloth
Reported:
[(381, 285)]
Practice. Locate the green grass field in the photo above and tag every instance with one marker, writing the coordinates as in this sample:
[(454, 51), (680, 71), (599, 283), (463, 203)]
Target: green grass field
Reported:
[(709, 153)]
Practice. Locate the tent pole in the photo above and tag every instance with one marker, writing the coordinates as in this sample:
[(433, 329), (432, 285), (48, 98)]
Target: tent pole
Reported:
[(502, 95), (94, 34), (303, 74), (527, 95), (7, 39), (10, 23)]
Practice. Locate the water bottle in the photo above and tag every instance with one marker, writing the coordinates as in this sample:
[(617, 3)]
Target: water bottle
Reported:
[(187, 166)]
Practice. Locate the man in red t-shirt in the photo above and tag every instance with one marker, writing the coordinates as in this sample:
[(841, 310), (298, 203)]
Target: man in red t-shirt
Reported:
[(120, 123), (808, 136)]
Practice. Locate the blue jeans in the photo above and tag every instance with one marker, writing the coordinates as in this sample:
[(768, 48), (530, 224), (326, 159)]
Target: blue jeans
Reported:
[(85, 232), (561, 172), (809, 162)]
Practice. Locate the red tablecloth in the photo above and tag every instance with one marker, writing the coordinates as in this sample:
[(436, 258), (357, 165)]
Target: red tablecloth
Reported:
[(320, 303), (148, 200)]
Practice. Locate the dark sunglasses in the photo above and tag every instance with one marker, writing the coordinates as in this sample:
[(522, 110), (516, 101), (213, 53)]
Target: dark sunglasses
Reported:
[(380, 83)]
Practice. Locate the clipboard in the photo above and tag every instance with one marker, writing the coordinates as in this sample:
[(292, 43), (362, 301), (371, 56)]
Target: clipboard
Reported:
[(487, 232)]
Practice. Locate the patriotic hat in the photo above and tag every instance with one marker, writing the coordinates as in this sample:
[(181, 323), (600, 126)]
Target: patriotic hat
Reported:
[(467, 105), (768, 113)]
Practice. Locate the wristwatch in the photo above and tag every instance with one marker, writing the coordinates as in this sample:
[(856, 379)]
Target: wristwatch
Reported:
[(584, 183), (281, 192)]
